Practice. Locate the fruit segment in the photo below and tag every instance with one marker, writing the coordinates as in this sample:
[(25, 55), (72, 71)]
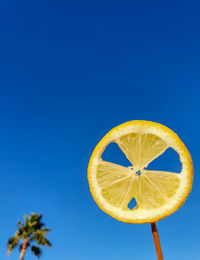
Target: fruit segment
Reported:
[(141, 149), (116, 183)]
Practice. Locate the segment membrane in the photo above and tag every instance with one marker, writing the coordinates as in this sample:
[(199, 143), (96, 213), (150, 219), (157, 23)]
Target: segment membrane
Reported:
[(141, 149)]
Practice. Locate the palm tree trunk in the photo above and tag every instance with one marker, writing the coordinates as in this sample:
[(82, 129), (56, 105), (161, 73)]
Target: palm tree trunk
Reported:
[(23, 250)]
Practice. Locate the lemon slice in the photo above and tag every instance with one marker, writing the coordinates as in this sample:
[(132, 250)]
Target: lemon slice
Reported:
[(157, 193)]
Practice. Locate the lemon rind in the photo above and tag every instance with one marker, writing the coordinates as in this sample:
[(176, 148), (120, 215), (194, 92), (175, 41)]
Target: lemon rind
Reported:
[(172, 140)]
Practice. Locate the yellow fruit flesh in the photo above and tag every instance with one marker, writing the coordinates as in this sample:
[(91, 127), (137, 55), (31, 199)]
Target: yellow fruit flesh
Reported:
[(151, 189), (141, 149)]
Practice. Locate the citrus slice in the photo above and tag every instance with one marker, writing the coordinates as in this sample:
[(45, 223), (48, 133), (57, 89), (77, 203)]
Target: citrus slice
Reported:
[(157, 193)]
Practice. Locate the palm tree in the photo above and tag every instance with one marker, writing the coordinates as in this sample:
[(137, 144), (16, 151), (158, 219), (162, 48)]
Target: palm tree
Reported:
[(30, 234)]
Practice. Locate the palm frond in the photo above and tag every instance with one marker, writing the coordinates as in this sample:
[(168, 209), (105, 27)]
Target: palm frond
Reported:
[(21, 232), (19, 224), (11, 244), (44, 242), (46, 230), (41, 232), (35, 221), (25, 220), (36, 251), (39, 237)]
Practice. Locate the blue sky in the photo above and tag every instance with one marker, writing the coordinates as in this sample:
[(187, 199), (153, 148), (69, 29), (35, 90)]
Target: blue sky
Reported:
[(70, 71)]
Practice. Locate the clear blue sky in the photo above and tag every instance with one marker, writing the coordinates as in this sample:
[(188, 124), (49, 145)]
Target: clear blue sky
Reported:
[(70, 71)]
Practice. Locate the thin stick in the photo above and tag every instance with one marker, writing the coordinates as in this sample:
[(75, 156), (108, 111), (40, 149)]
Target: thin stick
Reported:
[(156, 241)]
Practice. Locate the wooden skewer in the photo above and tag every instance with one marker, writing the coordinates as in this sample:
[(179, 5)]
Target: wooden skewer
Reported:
[(156, 241)]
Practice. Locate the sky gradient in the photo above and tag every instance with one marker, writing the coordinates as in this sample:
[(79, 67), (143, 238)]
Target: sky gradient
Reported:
[(71, 71)]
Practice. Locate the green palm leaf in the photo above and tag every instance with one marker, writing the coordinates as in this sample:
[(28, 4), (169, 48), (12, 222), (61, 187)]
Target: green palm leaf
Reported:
[(36, 251), (12, 243)]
